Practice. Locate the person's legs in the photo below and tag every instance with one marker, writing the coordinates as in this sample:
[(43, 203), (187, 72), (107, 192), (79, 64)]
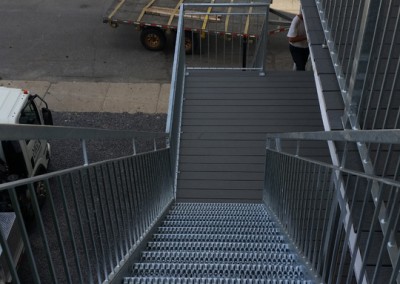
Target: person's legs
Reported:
[(300, 57)]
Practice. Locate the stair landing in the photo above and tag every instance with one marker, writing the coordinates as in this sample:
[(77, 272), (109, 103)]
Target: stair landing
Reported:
[(226, 115)]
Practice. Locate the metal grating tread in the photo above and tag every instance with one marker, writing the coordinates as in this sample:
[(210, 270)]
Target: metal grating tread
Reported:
[(219, 206), (212, 212), (218, 243), (219, 246), (233, 238), (259, 271), (218, 223), (219, 230), (237, 218), (203, 280), (218, 257)]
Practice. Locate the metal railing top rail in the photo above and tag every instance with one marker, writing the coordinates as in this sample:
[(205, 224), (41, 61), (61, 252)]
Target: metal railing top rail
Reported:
[(340, 169), (369, 136), (17, 132), (67, 171), (254, 4)]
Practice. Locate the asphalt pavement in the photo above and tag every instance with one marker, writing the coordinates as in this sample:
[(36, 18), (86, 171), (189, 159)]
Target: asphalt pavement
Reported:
[(66, 55)]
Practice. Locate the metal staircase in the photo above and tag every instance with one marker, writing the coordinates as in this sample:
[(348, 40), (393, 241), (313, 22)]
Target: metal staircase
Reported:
[(218, 243)]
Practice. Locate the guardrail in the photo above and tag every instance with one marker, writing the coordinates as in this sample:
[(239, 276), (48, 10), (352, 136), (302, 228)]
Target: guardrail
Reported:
[(343, 221), (83, 134), (233, 35), (362, 37), (183, 61), (95, 215)]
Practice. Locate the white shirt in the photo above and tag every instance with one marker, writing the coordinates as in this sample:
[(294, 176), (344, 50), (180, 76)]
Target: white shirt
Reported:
[(297, 29)]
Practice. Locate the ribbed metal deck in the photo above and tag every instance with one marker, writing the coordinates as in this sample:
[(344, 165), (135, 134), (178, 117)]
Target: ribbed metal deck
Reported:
[(226, 115)]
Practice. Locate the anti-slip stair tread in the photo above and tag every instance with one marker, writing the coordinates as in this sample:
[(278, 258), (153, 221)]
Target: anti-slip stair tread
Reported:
[(218, 257), (214, 242), (218, 237), (261, 271), (217, 218), (218, 205), (218, 223), (219, 230), (218, 246), (219, 209), (217, 213), (203, 280)]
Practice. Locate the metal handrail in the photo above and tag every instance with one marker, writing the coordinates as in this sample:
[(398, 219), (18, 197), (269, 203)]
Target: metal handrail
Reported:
[(95, 218), (370, 136), (19, 131), (46, 132), (173, 125), (295, 170), (223, 48)]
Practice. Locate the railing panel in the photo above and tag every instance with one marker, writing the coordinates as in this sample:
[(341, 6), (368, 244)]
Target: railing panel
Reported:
[(314, 215), (363, 38), (93, 217), (345, 222), (233, 36)]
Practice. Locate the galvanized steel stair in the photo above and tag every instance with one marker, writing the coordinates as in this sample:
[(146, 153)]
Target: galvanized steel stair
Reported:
[(222, 243)]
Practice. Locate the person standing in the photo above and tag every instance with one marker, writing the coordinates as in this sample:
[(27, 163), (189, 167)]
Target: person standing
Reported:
[(298, 44)]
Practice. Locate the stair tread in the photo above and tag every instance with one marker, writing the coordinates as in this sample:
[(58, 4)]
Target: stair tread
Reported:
[(221, 257), (219, 237), (219, 246), (274, 271), (204, 280), (232, 223), (218, 230), (218, 243)]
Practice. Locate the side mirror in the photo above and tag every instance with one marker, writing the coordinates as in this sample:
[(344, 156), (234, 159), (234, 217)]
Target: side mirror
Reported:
[(47, 116)]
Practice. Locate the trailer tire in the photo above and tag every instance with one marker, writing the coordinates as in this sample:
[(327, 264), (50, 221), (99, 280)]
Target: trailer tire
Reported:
[(191, 43), (153, 39)]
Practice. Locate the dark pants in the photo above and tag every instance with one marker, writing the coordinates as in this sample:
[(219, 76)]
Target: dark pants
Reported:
[(300, 56)]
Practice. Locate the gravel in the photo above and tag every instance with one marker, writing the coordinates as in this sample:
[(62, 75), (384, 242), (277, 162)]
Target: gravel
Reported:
[(68, 153)]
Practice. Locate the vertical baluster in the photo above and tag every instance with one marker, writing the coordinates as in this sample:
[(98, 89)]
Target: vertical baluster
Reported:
[(81, 230)]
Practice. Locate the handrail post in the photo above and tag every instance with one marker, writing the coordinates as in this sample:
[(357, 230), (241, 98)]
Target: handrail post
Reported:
[(84, 150)]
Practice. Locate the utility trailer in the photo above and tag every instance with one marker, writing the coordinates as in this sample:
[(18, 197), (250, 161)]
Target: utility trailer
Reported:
[(156, 19)]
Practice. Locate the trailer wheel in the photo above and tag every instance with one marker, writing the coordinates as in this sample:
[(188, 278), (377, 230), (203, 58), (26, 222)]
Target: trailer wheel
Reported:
[(191, 43), (153, 39)]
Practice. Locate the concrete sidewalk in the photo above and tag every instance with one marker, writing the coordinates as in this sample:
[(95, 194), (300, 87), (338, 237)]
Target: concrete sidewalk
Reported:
[(99, 97)]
